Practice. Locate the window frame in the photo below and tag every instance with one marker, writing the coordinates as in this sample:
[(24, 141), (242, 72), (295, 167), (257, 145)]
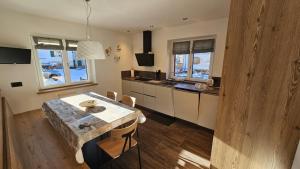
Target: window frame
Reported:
[(191, 59), (39, 71)]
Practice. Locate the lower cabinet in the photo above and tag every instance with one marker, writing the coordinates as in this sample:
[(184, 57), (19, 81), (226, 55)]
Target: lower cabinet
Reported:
[(208, 109), (139, 97), (164, 100), (149, 102), (186, 105), (173, 102), (126, 87)]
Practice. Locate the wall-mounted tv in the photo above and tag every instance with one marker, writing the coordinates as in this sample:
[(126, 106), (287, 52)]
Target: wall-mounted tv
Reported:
[(14, 55), (145, 59)]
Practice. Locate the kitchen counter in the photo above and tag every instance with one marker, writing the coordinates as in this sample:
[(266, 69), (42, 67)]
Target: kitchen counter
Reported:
[(192, 88), (177, 85), (153, 82)]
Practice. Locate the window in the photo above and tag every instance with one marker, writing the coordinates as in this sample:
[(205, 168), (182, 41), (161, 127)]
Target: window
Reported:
[(201, 65), (51, 62), (78, 67), (181, 65), (193, 59), (58, 66)]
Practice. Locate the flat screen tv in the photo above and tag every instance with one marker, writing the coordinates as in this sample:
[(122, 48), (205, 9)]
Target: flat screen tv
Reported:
[(14, 55), (145, 59)]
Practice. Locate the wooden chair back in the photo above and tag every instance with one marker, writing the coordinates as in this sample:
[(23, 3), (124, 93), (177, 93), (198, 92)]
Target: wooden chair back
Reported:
[(112, 95), (119, 133), (128, 100), (121, 140)]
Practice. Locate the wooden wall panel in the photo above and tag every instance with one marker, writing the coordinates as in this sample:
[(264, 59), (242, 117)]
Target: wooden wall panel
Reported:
[(14, 158), (1, 136), (259, 117)]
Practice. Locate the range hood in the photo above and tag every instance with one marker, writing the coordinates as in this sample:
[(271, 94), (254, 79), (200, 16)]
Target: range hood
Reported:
[(147, 57)]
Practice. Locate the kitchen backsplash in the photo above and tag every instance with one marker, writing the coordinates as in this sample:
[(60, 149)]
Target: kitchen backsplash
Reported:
[(145, 74)]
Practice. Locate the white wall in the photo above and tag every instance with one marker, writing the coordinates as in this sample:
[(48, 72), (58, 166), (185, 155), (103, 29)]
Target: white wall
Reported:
[(16, 30), (160, 42)]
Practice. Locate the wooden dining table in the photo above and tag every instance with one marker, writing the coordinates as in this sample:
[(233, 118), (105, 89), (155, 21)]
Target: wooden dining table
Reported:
[(78, 125)]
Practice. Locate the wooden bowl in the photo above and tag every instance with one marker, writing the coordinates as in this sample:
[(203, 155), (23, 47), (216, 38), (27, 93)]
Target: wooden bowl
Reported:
[(88, 103)]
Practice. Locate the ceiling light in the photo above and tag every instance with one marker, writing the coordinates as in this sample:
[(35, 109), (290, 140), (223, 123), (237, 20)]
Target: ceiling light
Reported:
[(89, 49)]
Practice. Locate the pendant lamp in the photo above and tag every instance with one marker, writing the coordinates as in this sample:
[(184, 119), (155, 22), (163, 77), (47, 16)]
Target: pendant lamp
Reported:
[(89, 49)]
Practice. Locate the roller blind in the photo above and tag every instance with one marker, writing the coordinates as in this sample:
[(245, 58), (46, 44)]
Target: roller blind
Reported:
[(71, 45), (203, 46), (181, 47), (48, 43)]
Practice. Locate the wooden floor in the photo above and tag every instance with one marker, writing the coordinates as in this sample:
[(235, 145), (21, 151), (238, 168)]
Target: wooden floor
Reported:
[(179, 145)]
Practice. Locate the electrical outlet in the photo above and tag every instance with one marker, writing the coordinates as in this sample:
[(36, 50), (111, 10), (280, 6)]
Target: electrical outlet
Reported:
[(16, 84)]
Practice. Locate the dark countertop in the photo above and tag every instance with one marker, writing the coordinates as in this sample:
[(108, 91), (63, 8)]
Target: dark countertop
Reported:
[(179, 85), (192, 88)]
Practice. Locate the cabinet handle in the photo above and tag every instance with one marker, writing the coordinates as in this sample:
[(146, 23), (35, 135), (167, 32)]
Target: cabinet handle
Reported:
[(149, 95), (142, 94)]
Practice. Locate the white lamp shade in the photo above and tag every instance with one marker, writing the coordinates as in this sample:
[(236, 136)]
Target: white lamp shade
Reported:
[(90, 50)]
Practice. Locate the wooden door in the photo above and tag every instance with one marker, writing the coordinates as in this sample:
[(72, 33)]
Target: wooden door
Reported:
[(258, 123)]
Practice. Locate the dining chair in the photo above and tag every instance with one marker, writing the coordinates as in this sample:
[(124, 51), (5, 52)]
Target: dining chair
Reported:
[(121, 141), (112, 95), (130, 101)]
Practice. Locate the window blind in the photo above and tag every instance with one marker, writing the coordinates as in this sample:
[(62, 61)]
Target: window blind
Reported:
[(48, 43), (71, 45), (203, 46), (181, 47)]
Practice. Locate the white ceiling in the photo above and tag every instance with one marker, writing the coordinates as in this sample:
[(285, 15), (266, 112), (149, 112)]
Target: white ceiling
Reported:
[(124, 15)]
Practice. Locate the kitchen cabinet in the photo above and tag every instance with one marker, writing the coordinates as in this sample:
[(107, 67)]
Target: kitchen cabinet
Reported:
[(149, 89), (186, 105), (174, 102), (139, 97), (137, 87), (149, 96), (208, 108), (164, 100), (126, 87), (149, 102)]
